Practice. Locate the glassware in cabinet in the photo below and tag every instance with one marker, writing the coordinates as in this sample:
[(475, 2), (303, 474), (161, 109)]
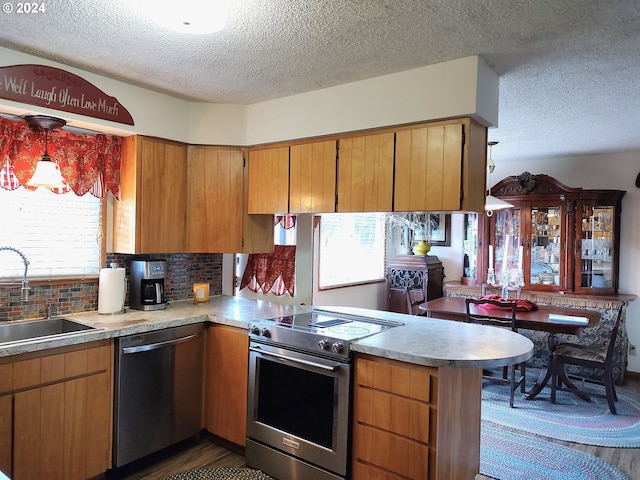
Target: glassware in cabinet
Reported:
[(597, 238), (471, 253), (545, 245)]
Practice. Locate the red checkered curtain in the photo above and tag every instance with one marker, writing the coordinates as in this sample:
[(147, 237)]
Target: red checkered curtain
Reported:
[(89, 163), (274, 272)]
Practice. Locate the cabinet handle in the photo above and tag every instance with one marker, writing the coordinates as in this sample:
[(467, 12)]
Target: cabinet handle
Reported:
[(331, 368)]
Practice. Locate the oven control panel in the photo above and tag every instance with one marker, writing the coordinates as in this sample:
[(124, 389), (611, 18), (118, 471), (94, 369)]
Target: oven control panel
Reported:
[(308, 342)]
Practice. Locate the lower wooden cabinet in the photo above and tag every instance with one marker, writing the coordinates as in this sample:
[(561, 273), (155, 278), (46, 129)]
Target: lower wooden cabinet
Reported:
[(226, 370), (415, 422), (55, 417)]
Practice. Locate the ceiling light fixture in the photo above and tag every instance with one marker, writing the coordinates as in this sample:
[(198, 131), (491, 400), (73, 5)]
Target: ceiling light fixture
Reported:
[(47, 172), (492, 203), (198, 17)]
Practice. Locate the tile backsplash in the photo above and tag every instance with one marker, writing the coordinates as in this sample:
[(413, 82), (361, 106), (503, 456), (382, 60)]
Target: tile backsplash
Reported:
[(82, 295)]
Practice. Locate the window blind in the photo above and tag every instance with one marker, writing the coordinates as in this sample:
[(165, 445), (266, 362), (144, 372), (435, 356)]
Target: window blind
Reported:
[(352, 248), (60, 234)]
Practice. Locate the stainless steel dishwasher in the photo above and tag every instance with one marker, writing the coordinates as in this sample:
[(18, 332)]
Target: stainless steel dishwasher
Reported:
[(158, 394)]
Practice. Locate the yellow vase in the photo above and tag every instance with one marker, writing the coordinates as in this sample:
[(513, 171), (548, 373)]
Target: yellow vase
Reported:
[(421, 248)]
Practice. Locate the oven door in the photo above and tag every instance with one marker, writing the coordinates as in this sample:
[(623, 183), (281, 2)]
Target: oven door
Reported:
[(299, 404)]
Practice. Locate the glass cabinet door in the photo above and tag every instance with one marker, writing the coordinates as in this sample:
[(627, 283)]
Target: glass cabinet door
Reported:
[(507, 251), (596, 237), (470, 250), (545, 245)]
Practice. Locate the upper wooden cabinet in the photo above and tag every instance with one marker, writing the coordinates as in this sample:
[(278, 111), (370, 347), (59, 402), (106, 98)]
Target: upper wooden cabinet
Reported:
[(440, 167), (268, 180), (365, 173), (176, 198), (312, 177), (151, 214), (436, 166), (214, 199)]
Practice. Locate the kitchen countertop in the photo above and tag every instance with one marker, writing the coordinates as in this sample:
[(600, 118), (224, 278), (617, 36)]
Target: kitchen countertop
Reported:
[(424, 341)]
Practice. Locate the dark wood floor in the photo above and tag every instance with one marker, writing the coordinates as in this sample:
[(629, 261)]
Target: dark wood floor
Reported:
[(205, 453)]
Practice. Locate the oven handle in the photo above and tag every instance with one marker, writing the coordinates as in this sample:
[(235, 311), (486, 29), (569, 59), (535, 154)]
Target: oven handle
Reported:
[(331, 368)]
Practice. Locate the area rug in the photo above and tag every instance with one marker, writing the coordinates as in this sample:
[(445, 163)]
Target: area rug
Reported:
[(505, 455), (221, 473), (570, 419)]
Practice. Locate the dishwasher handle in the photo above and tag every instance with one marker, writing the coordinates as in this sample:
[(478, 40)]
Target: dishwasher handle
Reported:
[(154, 346)]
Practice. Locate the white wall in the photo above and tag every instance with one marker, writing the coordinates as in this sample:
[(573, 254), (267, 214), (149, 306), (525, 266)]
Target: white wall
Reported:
[(464, 87), (616, 171)]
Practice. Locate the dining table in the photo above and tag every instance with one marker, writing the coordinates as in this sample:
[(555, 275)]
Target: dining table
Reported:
[(547, 318)]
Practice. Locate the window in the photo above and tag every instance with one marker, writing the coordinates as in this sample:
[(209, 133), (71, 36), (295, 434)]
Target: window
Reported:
[(60, 234), (352, 249)]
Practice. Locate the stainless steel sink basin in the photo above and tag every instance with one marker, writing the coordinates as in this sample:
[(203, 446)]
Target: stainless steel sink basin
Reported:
[(41, 329)]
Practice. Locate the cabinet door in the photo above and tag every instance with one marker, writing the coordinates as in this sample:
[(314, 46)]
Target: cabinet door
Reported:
[(268, 180), (214, 200), (226, 383), (39, 443), (365, 173), (6, 434), (544, 248), (150, 216), (428, 169), (312, 181), (506, 237), (162, 196), (597, 245)]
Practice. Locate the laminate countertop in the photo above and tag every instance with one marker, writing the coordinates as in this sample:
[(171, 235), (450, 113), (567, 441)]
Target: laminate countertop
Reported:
[(420, 340)]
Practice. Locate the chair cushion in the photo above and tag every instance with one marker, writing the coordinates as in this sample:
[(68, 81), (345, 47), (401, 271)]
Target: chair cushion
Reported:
[(582, 352)]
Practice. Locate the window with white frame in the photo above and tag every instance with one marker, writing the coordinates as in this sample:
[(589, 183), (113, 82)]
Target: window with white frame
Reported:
[(352, 249), (59, 234)]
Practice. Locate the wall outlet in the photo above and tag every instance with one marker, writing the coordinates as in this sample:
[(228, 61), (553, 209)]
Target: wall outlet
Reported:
[(632, 349)]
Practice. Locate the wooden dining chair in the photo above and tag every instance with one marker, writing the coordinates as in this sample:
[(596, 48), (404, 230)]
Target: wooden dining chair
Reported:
[(592, 356), (414, 298), (484, 316)]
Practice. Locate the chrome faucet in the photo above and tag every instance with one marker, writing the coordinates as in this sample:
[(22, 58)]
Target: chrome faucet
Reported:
[(24, 292)]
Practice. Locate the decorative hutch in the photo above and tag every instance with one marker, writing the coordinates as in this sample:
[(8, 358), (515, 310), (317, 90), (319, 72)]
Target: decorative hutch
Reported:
[(423, 272), (555, 239)]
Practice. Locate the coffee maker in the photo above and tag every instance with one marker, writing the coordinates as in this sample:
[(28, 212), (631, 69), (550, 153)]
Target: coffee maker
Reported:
[(147, 284)]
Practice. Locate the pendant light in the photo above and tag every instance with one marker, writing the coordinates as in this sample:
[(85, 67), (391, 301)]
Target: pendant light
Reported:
[(492, 203), (47, 172)]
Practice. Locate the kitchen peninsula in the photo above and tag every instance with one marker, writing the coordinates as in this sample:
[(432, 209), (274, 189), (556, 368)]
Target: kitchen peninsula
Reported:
[(447, 357)]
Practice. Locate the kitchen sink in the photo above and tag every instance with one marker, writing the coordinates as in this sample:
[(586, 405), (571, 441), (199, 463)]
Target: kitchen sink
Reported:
[(48, 328)]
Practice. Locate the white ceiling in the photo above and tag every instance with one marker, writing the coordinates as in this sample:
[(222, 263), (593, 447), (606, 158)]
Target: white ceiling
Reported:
[(569, 69)]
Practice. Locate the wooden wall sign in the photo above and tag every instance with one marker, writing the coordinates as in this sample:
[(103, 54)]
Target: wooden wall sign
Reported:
[(58, 89)]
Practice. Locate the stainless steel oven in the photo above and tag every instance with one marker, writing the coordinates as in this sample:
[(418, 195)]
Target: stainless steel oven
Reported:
[(299, 395)]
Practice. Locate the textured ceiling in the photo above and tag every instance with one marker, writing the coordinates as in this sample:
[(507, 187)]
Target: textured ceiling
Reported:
[(569, 69)]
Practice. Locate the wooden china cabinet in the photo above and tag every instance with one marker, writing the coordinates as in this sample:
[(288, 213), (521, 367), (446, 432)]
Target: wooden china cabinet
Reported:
[(562, 239)]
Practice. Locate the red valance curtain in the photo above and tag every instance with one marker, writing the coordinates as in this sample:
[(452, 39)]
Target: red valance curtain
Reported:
[(89, 163), (264, 270)]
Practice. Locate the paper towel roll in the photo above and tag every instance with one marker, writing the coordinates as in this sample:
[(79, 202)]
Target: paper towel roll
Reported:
[(111, 290)]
